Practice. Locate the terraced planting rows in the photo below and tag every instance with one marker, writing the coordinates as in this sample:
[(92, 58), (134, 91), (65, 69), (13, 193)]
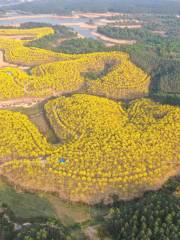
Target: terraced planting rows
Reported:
[(20, 138), (58, 73), (17, 53), (125, 80), (106, 148)]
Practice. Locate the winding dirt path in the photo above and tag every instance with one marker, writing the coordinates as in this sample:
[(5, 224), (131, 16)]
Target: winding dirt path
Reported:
[(113, 40), (27, 102), (20, 102)]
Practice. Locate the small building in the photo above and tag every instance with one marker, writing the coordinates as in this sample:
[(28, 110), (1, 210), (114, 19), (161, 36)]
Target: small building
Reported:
[(62, 160)]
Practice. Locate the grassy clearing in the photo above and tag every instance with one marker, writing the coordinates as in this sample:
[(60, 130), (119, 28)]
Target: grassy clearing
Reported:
[(69, 213), (41, 205), (25, 205)]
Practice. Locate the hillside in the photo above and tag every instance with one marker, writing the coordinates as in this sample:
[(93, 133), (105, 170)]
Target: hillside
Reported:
[(113, 75), (96, 135), (89, 149)]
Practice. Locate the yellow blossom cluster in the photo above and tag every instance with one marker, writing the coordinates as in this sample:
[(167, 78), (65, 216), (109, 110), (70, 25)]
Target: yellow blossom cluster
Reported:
[(106, 147)]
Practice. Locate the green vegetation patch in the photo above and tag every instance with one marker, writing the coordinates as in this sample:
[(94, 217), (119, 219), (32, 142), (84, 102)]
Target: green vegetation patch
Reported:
[(51, 42), (156, 216), (80, 45), (67, 212), (25, 205)]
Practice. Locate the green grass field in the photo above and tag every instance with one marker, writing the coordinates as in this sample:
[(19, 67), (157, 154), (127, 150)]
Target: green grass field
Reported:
[(27, 206)]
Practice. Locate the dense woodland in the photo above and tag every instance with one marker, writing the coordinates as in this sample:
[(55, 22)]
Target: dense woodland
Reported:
[(64, 40), (163, 67), (156, 216), (66, 6), (140, 35), (80, 45), (40, 229), (61, 33)]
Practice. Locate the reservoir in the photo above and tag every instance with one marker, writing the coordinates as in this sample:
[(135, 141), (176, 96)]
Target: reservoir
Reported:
[(72, 22)]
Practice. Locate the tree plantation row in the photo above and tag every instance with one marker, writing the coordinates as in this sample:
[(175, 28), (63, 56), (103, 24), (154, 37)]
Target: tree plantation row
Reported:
[(106, 74), (106, 148)]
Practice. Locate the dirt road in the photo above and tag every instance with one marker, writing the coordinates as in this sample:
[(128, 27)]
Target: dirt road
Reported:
[(113, 40)]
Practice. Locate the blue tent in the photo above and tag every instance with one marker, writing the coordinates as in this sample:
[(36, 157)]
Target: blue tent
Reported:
[(62, 160)]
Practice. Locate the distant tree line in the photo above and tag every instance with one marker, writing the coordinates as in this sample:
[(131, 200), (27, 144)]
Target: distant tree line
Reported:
[(131, 6), (141, 35)]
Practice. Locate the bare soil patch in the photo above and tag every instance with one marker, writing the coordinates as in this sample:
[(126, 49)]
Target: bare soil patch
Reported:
[(20, 102), (17, 37), (81, 25), (161, 33), (91, 233), (97, 15), (113, 40)]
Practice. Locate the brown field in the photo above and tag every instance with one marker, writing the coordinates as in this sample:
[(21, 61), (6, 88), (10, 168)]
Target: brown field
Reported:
[(161, 33)]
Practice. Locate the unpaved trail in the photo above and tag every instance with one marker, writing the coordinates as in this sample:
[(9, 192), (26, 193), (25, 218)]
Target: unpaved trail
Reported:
[(20, 102), (113, 40), (91, 233), (27, 102)]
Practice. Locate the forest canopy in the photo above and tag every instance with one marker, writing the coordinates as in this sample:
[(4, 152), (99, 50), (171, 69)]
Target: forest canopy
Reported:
[(66, 6)]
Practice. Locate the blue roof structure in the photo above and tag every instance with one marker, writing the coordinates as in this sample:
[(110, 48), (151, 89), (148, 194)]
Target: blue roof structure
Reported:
[(62, 160)]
